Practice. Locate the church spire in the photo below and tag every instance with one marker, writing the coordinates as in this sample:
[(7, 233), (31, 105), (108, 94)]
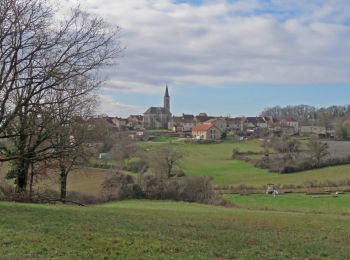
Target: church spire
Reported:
[(167, 99), (166, 91)]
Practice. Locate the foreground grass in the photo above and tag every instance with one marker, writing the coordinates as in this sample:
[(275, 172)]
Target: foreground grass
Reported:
[(294, 202), (158, 230)]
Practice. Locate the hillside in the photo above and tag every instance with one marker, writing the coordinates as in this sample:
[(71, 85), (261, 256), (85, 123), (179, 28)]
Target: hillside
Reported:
[(212, 160), (215, 160), (167, 230)]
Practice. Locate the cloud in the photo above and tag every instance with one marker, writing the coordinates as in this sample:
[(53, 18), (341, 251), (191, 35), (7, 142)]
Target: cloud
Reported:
[(108, 105), (228, 43)]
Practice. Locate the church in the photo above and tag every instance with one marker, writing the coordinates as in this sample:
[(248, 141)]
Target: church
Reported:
[(158, 117)]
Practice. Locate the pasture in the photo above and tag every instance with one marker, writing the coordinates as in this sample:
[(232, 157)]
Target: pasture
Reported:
[(211, 160), (325, 204), (215, 160), (168, 230), (87, 180)]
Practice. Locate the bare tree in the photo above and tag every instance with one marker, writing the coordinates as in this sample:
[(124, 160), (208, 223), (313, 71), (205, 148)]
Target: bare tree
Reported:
[(39, 53), (317, 149), (68, 140), (166, 161), (42, 58)]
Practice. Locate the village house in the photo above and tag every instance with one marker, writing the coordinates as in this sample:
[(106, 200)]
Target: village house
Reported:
[(120, 123), (219, 122), (252, 125), (206, 132), (234, 124), (291, 124), (135, 122), (275, 128), (317, 130), (182, 124), (202, 117), (105, 121)]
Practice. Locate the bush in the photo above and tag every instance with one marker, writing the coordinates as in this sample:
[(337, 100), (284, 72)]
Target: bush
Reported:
[(179, 173), (136, 166), (196, 189), (191, 189), (223, 136), (219, 201), (235, 154), (120, 186), (83, 198), (6, 191)]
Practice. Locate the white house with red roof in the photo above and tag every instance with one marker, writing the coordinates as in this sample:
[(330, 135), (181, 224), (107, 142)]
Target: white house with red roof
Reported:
[(206, 131)]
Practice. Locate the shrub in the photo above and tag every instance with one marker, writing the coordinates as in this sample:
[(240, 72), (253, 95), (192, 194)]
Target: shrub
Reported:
[(180, 173), (219, 201), (83, 198), (6, 191), (196, 189), (224, 136), (136, 166), (235, 154), (191, 189), (120, 186)]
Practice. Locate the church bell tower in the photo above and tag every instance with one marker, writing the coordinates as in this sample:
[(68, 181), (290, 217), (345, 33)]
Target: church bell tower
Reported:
[(167, 100)]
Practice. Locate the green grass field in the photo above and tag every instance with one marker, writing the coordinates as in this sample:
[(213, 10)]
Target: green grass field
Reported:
[(168, 230), (215, 160), (87, 180), (210, 160), (294, 203)]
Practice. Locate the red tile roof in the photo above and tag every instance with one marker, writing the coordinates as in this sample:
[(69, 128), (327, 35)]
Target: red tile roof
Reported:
[(202, 127)]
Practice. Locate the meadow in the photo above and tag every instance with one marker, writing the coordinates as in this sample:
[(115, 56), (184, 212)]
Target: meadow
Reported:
[(323, 204), (211, 160), (168, 230), (289, 226), (87, 180), (215, 160)]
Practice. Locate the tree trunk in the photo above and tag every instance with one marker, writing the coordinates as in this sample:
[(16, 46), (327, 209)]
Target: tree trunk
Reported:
[(63, 183), (31, 181), (22, 176)]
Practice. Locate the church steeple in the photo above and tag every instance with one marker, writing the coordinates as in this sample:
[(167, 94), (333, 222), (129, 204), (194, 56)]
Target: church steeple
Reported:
[(167, 99)]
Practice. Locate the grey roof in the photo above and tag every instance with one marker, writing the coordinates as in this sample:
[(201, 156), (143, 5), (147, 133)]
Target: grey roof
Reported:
[(256, 120), (156, 110)]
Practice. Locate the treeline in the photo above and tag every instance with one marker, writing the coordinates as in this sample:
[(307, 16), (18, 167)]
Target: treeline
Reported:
[(333, 117), (48, 79), (308, 114)]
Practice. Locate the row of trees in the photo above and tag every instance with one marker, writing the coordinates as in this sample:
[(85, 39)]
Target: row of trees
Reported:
[(308, 114), (48, 77)]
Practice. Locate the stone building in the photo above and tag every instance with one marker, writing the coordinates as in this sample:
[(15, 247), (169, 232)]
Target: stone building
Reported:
[(158, 117)]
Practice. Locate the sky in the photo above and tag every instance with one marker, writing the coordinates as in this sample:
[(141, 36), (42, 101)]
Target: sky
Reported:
[(226, 57)]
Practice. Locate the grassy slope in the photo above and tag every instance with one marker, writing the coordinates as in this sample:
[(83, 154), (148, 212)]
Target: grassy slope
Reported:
[(214, 160), (86, 180), (153, 230), (294, 202)]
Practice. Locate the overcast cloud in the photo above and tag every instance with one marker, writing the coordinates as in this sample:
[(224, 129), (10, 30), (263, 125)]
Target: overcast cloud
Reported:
[(227, 43)]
